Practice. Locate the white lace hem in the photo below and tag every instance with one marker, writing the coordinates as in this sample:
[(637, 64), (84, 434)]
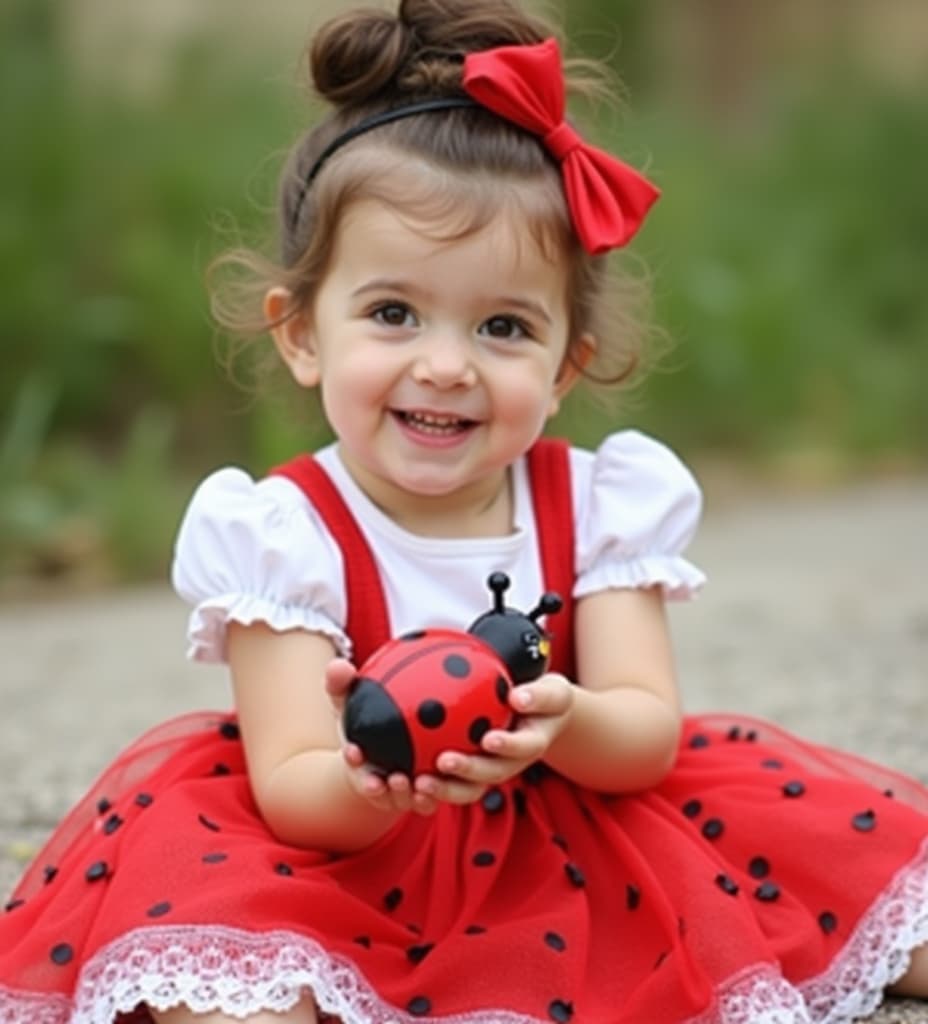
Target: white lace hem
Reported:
[(240, 973)]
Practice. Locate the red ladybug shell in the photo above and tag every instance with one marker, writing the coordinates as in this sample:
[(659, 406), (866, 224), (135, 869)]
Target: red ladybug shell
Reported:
[(425, 692)]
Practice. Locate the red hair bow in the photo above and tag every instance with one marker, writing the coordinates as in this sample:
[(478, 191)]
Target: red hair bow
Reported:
[(607, 199)]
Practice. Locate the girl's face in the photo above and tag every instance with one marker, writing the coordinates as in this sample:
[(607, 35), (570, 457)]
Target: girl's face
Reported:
[(438, 361)]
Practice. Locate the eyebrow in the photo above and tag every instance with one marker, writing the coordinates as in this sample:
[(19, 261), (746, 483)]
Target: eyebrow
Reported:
[(529, 306), (384, 284), (388, 284)]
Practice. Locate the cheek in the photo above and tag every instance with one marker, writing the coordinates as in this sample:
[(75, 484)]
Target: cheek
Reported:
[(354, 378), (525, 394)]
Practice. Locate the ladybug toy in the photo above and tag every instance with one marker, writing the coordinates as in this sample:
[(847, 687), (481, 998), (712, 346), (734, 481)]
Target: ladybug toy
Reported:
[(443, 689)]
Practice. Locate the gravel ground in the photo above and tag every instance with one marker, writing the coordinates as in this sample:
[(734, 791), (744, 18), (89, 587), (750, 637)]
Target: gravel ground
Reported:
[(816, 616)]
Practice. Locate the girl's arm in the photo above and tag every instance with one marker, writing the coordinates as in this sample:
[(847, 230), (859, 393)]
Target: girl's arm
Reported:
[(623, 726), (289, 727)]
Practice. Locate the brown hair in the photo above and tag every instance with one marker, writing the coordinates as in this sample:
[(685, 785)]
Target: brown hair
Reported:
[(460, 168)]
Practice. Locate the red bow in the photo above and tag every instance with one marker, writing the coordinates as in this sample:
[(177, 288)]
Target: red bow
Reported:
[(608, 200)]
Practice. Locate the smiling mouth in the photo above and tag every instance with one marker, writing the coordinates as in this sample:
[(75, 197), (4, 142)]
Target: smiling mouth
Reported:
[(434, 424)]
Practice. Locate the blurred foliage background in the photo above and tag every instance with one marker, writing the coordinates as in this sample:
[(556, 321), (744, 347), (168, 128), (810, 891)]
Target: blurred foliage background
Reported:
[(788, 253)]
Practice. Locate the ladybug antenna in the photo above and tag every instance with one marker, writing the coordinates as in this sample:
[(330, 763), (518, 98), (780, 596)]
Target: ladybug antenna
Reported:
[(549, 604), (498, 582)]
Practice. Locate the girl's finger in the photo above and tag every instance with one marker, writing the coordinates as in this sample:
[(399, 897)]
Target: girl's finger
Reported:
[(339, 675)]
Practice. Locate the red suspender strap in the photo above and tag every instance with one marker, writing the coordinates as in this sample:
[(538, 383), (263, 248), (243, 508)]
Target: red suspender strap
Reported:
[(552, 497), (368, 623)]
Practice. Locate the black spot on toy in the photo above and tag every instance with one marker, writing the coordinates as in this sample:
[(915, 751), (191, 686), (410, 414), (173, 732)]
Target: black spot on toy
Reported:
[(443, 689)]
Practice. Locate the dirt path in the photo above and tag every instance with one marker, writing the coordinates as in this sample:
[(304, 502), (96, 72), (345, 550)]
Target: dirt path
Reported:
[(816, 616)]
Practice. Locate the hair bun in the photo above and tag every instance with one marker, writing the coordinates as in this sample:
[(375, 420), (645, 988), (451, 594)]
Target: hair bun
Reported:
[(463, 26), (358, 54), (370, 54)]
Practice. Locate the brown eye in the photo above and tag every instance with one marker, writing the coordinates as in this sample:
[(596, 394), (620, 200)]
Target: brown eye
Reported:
[(504, 327), (393, 314)]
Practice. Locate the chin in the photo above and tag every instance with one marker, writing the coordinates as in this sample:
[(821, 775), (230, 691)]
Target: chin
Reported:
[(427, 486)]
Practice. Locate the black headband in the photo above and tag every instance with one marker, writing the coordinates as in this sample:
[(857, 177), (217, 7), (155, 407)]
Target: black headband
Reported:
[(374, 121)]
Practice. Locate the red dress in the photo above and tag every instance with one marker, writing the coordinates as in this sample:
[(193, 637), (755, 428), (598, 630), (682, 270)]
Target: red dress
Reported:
[(765, 881)]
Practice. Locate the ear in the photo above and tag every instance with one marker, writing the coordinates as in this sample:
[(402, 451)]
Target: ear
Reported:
[(579, 353), (293, 336)]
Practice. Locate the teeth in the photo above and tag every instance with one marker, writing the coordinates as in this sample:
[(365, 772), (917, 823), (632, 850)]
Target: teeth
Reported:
[(433, 423), (431, 420)]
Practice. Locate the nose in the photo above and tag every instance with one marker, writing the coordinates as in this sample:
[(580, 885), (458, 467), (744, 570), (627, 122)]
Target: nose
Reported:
[(445, 360)]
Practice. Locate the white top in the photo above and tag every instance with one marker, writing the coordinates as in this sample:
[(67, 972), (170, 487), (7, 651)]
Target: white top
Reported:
[(257, 551)]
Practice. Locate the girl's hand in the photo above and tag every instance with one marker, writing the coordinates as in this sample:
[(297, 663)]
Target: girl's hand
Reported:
[(543, 707), (392, 793)]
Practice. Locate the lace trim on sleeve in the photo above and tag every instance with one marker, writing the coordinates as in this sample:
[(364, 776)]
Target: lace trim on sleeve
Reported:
[(677, 578), (210, 619)]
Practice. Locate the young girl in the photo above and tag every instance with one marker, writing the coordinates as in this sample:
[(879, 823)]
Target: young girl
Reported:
[(606, 860)]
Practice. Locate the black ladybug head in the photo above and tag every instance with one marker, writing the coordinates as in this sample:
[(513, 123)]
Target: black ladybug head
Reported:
[(516, 636)]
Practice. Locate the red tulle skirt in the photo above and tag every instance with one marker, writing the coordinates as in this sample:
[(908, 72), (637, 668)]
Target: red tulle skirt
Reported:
[(765, 880)]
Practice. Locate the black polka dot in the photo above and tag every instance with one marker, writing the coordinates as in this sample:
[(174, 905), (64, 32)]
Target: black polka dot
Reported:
[(103, 805), (283, 869), (692, 809), (520, 802), (208, 823), (413, 634), (97, 871), (214, 858), (699, 740), (144, 800), (772, 764), (734, 733), (221, 769), (767, 892), (827, 922), (478, 729), (493, 801), (474, 929), (419, 1006), (632, 896), (159, 909), (534, 773), (431, 713), (575, 875), (759, 867), (363, 940), (865, 821), (794, 788), (713, 828), (559, 841), (230, 731), (727, 885), (751, 735), (393, 898), (49, 872), (112, 823), (416, 954), (502, 690), (61, 954), (484, 859), (457, 666), (560, 1010), (13, 904), (555, 942)]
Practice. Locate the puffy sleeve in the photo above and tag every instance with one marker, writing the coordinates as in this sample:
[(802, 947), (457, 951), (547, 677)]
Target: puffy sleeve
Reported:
[(255, 552), (638, 507)]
